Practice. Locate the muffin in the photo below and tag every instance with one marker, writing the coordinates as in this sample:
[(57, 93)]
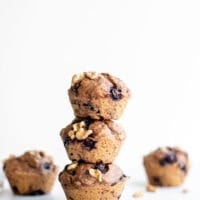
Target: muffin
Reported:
[(33, 173), (93, 140), (166, 166), (1, 179), (98, 95), (92, 181)]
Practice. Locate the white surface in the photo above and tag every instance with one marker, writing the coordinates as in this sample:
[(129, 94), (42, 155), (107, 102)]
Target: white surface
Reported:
[(135, 184), (153, 45)]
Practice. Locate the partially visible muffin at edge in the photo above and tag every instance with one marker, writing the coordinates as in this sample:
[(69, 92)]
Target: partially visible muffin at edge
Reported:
[(98, 95), (167, 166), (93, 140), (32, 173), (92, 181)]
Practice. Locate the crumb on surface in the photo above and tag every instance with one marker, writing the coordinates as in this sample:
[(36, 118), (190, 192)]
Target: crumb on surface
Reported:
[(185, 191), (151, 188), (1, 186), (138, 194)]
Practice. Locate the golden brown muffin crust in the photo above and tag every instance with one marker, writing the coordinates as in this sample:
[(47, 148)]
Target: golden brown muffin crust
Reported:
[(102, 96), (167, 166), (32, 173), (101, 140), (81, 174)]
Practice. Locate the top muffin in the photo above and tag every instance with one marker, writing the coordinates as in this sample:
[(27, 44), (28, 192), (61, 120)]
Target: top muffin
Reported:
[(99, 96)]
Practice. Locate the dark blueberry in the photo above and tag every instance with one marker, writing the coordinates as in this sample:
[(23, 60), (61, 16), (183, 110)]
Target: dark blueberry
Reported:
[(156, 180), (115, 93), (183, 167), (75, 87), (87, 173), (168, 159), (88, 121), (67, 141), (89, 106), (102, 167), (15, 190), (89, 144), (81, 161), (113, 183), (73, 173), (46, 166), (37, 192), (123, 176)]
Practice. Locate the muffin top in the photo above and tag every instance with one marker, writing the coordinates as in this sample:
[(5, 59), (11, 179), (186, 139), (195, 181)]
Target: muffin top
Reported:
[(89, 131), (102, 85), (84, 174), (168, 156), (30, 162)]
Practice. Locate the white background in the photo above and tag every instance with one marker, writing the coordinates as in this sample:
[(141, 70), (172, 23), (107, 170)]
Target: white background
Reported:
[(154, 46)]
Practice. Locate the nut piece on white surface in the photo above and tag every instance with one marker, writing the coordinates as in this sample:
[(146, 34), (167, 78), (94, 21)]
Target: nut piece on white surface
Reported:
[(138, 194), (184, 191), (151, 188)]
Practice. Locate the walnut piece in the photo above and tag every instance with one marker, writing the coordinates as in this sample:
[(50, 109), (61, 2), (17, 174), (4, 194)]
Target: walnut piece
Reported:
[(78, 77), (72, 166), (151, 188), (33, 158), (96, 174), (78, 132), (138, 194), (185, 191), (91, 75)]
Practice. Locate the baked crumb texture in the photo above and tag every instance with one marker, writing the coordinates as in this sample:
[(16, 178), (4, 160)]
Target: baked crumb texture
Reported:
[(167, 166), (32, 173), (138, 194)]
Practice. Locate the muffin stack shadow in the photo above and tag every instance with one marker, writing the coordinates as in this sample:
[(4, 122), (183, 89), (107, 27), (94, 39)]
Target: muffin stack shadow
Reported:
[(92, 141)]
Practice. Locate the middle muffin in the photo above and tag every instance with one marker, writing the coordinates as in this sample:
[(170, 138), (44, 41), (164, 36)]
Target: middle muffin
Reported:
[(93, 140)]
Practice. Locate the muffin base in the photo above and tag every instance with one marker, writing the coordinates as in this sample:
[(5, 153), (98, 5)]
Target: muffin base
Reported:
[(99, 192)]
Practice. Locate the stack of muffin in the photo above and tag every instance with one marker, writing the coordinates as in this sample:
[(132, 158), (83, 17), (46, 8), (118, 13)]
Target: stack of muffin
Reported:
[(93, 140)]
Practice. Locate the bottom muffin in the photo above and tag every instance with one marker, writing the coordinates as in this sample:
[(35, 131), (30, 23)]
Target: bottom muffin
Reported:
[(166, 166), (92, 181), (33, 173)]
